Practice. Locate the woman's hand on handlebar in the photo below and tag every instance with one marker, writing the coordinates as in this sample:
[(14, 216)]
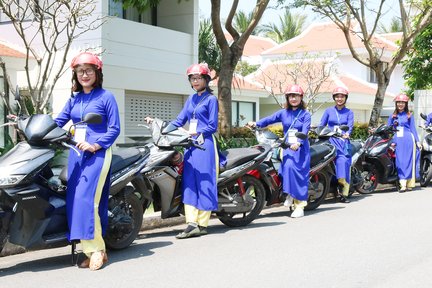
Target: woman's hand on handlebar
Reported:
[(148, 120), (251, 124), (85, 146)]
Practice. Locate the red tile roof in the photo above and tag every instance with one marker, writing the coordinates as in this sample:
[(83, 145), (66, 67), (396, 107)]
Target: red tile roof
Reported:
[(324, 37), (7, 51), (274, 75), (255, 45)]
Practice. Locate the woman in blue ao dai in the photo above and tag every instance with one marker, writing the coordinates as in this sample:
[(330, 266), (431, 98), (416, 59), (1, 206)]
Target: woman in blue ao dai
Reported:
[(334, 117), (295, 165), (200, 172), (88, 174), (406, 142)]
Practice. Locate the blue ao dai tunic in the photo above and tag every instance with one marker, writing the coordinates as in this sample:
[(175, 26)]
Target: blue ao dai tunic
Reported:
[(84, 171), (295, 165), (428, 120), (334, 117), (199, 181), (406, 152)]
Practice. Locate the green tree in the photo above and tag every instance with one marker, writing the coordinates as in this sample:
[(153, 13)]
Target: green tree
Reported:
[(208, 50), (242, 21), (290, 25), (358, 20), (244, 68), (418, 64), (231, 54), (395, 26)]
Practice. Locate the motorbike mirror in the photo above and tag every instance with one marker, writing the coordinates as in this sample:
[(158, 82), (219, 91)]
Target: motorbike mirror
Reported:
[(423, 116), (301, 135), (344, 128), (165, 129), (92, 118), (17, 94)]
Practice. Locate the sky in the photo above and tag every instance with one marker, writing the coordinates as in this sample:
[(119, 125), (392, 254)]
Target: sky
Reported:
[(272, 15)]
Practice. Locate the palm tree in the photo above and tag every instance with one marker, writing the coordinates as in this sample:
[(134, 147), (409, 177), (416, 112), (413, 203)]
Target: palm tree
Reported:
[(242, 21), (289, 27), (208, 50)]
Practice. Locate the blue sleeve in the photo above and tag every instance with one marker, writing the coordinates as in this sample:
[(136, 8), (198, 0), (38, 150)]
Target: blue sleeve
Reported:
[(306, 126), (390, 121), (350, 122), (324, 118), (275, 118), (182, 118), (213, 111), (428, 120), (113, 123), (413, 128), (64, 115)]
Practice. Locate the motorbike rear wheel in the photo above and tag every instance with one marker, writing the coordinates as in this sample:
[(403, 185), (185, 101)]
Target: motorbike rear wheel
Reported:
[(125, 221), (370, 180), (425, 172), (256, 190), (319, 185)]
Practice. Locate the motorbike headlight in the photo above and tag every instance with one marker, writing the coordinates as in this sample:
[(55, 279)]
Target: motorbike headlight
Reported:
[(8, 175), (163, 141)]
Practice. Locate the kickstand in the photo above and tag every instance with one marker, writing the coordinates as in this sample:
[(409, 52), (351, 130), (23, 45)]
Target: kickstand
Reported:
[(74, 253)]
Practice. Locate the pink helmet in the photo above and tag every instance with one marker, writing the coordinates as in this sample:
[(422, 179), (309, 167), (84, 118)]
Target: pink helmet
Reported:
[(340, 90), (401, 98), (198, 69), (86, 58), (294, 89)]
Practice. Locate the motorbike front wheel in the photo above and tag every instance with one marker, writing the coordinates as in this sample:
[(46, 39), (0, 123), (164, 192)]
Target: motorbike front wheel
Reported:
[(370, 181), (319, 185), (253, 188), (425, 172), (125, 218)]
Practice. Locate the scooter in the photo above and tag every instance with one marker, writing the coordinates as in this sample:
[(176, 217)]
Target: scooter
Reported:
[(321, 171), (378, 160), (426, 155), (33, 194), (240, 196)]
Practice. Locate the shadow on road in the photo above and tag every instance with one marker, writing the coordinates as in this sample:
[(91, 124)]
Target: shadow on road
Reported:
[(138, 250)]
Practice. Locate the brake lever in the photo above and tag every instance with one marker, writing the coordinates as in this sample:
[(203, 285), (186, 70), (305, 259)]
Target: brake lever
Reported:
[(72, 147)]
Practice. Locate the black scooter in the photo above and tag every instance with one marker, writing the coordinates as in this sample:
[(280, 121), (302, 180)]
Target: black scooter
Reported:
[(240, 197), (321, 168), (33, 195), (378, 160)]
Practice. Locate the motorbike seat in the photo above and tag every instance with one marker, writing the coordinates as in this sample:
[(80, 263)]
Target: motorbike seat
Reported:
[(355, 147), (318, 152), (238, 156), (121, 159)]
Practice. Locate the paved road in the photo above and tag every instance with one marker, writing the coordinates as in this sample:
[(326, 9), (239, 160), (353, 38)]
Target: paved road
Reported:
[(379, 240)]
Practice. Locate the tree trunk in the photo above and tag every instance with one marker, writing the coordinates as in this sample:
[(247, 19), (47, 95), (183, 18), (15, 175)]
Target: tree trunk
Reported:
[(225, 99), (383, 82)]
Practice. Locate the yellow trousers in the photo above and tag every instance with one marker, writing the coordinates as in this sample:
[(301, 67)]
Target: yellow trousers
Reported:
[(196, 216), (97, 243), (345, 186), (299, 204)]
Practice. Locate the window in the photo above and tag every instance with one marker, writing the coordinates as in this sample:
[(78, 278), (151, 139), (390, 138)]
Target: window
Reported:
[(242, 112), (372, 76), (147, 17)]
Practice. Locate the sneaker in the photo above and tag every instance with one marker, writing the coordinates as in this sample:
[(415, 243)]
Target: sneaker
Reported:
[(203, 230), (288, 201), (297, 213), (190, 231)]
